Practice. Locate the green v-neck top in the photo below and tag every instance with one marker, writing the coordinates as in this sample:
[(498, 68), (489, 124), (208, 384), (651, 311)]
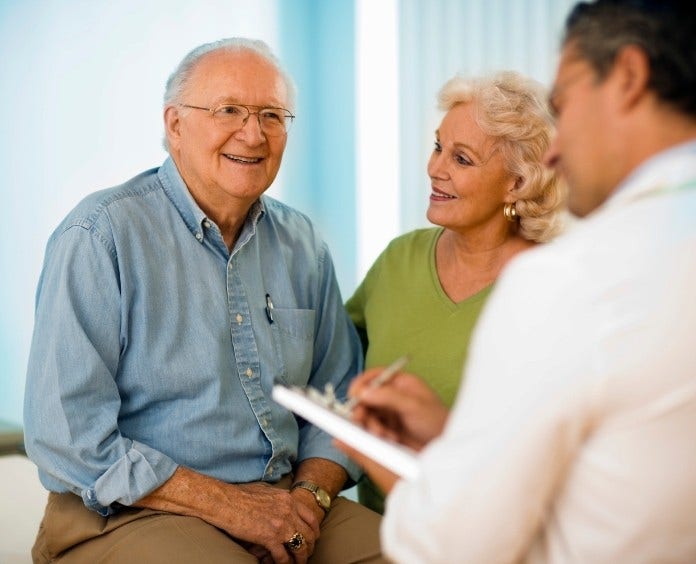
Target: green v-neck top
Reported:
[(400, 308)]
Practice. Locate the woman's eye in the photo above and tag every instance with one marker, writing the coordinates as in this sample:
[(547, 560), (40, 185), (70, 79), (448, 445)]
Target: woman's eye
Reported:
[(462, 160), (437, 147)]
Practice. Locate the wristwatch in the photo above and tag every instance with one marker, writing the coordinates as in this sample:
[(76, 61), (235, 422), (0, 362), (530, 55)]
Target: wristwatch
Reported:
[(323, 498)]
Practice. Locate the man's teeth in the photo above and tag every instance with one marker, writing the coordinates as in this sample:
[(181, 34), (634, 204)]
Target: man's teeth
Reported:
[(244, 159)]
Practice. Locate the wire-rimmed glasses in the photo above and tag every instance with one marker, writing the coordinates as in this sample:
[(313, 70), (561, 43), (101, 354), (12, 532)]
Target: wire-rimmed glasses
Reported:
[(272, 121)]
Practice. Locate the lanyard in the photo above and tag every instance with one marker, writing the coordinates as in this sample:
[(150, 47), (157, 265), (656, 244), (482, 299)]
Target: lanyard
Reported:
[(670, 189)]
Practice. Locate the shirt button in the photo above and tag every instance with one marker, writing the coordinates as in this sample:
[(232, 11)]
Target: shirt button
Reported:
[(199, 236), (206, 224), (239, 319), (249, 372)]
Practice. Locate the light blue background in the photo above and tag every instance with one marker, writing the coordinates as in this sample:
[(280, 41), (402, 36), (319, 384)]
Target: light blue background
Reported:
[(80, 109)]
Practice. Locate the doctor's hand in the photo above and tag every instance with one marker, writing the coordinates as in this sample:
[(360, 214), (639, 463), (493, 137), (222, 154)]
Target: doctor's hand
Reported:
[(404, 409)]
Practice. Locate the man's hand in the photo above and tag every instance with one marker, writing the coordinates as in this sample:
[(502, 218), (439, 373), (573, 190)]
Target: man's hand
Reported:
[(306, 498), (260, 516), (265, 513), (404, 409)]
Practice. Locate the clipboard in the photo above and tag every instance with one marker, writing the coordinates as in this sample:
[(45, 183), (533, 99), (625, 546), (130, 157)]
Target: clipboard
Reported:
[(397, 458)]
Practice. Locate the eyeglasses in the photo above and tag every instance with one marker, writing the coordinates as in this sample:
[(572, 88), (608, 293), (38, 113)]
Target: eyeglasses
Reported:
[(272, 121)]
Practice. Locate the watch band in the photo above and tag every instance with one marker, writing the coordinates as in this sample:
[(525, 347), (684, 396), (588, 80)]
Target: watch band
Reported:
[(322, 498)]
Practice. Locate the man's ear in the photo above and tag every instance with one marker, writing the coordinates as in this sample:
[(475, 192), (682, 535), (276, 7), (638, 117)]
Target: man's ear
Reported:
[(172, 126), (632, 73)]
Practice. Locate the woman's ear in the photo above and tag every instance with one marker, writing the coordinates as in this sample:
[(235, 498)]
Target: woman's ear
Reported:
[(517, 185)]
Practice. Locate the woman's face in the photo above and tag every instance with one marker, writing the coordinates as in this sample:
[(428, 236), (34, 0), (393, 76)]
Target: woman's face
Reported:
[(469, 181)]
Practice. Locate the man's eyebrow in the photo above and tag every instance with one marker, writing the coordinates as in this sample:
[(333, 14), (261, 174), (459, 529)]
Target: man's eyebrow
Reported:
[(233, 100)]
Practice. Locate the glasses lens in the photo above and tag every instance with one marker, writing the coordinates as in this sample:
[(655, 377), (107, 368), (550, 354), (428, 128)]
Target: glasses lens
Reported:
[(273, 121), (231, 116)]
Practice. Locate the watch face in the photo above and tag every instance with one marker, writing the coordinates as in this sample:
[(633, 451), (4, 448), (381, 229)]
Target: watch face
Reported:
[(323, 498)]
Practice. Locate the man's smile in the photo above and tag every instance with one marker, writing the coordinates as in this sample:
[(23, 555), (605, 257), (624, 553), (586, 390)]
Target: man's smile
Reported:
[(240, 159)]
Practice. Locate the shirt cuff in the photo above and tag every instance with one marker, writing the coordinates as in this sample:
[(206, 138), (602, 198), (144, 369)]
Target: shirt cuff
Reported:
[(141, 470), (315, 443)]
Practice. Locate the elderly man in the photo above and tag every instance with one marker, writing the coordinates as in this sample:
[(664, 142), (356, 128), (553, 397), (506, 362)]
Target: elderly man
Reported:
[(166, 309), (574, 439)]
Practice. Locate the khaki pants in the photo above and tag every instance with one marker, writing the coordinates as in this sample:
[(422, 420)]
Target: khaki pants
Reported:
[(71, 533)]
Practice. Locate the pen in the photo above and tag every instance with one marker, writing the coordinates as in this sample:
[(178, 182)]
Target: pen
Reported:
[(269, 308), (383, 378)]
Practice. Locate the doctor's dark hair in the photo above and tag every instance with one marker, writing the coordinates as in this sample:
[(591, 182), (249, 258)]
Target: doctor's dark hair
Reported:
[(663, 29)]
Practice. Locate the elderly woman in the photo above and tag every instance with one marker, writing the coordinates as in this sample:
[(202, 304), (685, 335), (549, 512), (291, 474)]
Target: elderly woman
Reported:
[(491, 198)]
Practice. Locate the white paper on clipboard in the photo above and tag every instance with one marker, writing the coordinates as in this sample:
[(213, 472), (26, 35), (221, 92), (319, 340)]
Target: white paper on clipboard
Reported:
[(397, 458)]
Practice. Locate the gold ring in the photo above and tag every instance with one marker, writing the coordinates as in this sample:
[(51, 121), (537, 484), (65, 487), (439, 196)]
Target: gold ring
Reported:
[(295, 542)]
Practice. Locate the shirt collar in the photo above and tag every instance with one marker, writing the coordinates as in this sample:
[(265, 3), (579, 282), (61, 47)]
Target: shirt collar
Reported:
[(178, 193), (668, 168), (193, 216)]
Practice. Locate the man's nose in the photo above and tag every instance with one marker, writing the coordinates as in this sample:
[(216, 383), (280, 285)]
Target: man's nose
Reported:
[(252, 127)]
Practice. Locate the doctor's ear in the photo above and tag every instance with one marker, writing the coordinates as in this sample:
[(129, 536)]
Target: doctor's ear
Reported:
[(631, 73)]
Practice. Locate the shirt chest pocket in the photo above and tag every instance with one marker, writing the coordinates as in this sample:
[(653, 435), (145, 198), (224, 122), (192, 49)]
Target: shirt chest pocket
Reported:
[(293, 337)]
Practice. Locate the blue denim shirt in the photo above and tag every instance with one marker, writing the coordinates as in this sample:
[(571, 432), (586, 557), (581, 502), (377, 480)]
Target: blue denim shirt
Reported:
[(152, 344)]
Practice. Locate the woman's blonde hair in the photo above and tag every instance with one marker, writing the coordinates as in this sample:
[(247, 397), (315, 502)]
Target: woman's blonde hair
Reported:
[(513, 109)]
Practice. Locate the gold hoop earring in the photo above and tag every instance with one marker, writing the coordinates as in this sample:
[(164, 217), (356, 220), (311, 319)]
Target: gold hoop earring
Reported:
[(510, 211)]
